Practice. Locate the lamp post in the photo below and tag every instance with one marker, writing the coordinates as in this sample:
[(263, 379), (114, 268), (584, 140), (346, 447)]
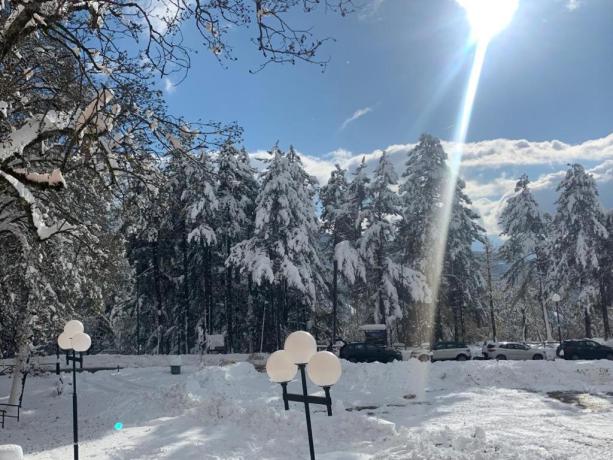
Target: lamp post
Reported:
[(73, 338), (323, 368), (556, 298)]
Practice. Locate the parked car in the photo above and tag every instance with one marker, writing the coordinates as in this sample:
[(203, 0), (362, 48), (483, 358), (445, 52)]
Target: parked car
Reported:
[(584, 349), (444, 351), (513, 350), (421, 353), (361, 352)]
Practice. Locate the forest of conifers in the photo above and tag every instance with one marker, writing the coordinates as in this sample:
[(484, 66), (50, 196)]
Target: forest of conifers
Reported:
[(157, 230)]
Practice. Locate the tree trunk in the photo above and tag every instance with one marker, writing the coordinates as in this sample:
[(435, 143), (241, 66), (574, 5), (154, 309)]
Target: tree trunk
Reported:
[(605, 299), (23, 339), (544, 309), (438, 324), (524, 324), (228, 302), (334, 300), (382, 313), (489, 285), (138, 275), (263, 324), (462, 325), (605, 321), (277, 316), (456, 323), (184, 316), (588, 323), (158, 295), (208, 293)]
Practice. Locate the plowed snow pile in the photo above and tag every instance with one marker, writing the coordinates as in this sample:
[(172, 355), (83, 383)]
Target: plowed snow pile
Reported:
[(404, 410)]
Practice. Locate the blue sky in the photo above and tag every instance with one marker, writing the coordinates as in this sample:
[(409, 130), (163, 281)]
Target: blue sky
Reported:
[(399, 68)]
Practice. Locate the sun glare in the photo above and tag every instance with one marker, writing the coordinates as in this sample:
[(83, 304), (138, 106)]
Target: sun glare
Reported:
[(488, 17)]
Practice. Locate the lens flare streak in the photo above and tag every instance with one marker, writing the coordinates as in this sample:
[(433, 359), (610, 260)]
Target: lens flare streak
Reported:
[(487, 18)]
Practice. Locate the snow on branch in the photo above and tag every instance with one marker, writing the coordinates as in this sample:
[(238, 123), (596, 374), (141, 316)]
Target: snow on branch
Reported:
[(42, 229), (349, 262), (253, 260), (53, 179), (102, 123), (37, 126)]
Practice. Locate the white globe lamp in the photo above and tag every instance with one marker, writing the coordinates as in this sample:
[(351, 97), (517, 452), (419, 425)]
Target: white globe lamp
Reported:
[(301, 347), (280, 367), (81, 342), (73, 328), (64, 341), (324, 369)]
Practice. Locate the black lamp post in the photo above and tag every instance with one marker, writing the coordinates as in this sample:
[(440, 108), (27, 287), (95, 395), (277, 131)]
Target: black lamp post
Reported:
[(323, 368), (74, 339)]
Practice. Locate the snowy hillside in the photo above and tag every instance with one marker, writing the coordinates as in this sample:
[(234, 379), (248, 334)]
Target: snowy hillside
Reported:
[(401, 410)]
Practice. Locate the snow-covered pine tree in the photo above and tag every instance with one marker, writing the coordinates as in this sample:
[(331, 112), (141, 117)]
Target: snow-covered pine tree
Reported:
[(236, 194), (190, 238), (349, 259), (376, 245), (579, 231), (205, 260), (462, 271), (421, 200), (606, 277), (525, 250), (338, 224), (421, 195), (282, 256), (357, 197)]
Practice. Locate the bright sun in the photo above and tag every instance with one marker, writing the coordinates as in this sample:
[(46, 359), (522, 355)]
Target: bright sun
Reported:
[(488, 17)]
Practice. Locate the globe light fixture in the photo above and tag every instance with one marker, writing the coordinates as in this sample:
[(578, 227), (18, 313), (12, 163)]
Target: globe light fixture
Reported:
[(73, 327), (324, 369), (81, 342), (64, 341), (74, 339), (300, 346), (280, 367)]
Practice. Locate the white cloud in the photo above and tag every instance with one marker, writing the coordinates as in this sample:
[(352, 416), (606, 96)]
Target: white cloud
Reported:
[(169, 86), (504, 152), (486, 185), (357, 114)]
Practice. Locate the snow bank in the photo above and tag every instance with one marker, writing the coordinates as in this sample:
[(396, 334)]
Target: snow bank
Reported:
[(11, 452), (402, 410)]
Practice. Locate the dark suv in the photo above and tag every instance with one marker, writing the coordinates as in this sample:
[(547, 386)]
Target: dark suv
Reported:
[(361, 352), (584, 349)]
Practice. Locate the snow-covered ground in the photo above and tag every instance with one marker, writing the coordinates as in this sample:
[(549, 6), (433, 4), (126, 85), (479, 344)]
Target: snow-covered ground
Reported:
[(403, 410)]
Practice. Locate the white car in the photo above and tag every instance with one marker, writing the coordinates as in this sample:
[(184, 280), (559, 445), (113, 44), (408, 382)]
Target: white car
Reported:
[(513, 350), (421, 353), (445, 351)]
